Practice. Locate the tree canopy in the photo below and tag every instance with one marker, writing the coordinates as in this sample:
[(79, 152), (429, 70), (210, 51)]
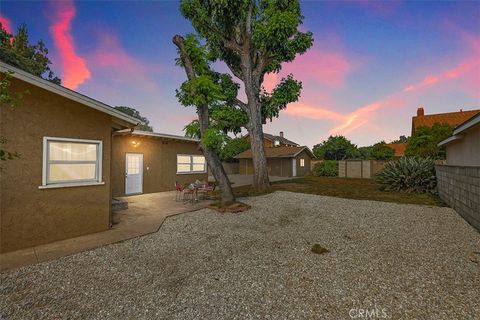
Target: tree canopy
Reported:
[(136, 114), (424, 141), (335, 148), (380, 151), (253, 38), (16, 50)]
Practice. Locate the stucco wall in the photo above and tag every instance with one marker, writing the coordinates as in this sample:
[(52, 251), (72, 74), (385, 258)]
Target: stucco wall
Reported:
[(459, 187), (159, 162), (465, 152), (31, 216)]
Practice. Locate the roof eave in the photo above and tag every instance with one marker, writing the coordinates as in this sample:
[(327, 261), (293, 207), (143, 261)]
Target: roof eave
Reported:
[(67, 93)]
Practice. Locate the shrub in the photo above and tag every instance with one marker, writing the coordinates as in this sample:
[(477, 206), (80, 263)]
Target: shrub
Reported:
[(328, 168), (409, 174)]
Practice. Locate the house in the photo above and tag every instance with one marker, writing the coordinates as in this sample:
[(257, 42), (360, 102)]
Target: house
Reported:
[(60, 186), (422, 120), (146, 162), (451, 118), (284, 161), (270, 141), (459, 179), (75, 154), (399, 149)]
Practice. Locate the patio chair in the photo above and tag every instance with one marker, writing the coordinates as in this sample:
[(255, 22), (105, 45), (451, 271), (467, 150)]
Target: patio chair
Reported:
[(183, 193), (207, 189)]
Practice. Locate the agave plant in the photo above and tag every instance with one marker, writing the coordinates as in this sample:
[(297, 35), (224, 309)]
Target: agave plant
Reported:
[(409, 174)]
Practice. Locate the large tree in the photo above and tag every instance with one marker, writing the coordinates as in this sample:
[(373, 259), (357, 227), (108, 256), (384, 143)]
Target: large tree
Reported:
[(136, 114), (209, 92), (16, 50), (253, 38)]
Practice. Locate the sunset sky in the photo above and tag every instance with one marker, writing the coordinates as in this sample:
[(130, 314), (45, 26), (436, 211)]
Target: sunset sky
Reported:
[(371, 66)]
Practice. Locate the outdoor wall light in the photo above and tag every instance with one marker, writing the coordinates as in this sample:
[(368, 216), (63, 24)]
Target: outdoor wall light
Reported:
[(135, 143)]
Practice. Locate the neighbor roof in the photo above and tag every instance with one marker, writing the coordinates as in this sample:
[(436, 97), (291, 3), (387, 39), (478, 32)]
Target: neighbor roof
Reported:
[(67, 93), (156, 135), (451, 118), (277, 152), (272, 138), (398, 147), (459, 131)]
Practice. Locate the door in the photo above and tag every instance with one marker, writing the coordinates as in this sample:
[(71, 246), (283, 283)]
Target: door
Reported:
[(133, 173), (294, 167)]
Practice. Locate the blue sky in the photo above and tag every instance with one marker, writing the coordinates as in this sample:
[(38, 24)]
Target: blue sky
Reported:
[(371, 66)]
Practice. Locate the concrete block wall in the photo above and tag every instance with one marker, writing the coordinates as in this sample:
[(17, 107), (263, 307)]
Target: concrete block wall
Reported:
[(459, 187), (365, 169)]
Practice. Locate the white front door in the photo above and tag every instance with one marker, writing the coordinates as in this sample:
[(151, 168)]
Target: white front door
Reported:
[(294, 167), (133, 173)]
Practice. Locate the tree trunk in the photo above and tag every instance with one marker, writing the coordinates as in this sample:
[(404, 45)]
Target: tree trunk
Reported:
[(213, 161)]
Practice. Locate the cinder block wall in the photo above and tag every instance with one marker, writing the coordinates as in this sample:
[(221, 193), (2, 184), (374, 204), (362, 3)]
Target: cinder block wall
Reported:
[(459, 187)]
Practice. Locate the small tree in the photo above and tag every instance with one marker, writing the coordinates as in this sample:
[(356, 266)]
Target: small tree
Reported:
[(253, 38), (17, 51), (380, 151), (136, 114), (336, 148), (424, 142)]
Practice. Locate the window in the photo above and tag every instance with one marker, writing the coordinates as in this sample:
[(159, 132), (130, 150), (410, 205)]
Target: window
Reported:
[(302, 162), (190, 164), (71, 161)]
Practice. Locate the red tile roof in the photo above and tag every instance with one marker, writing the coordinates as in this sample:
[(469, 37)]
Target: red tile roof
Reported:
[(398, 147), (452, 118)]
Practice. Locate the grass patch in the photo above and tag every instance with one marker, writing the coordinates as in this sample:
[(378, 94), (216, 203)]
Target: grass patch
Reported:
[(360, 189)]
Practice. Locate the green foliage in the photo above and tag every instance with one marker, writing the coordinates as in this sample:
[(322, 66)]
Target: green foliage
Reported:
[(336, 148), (192, 130), (409, 174), (380, 151), (423, 142), (213, 139), (136, 114), (233, 147), (287, 91), (364, 152), (17, 51), (401, 139), (326, 168)]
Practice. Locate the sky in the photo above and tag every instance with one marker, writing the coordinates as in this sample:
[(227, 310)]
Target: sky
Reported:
[(371, 66)]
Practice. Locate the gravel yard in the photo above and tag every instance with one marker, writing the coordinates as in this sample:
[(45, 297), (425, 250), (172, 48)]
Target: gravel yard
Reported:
[(399, 261)]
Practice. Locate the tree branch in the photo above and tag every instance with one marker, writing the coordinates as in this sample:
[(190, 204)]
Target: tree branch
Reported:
[(242, 105), (187, 63)]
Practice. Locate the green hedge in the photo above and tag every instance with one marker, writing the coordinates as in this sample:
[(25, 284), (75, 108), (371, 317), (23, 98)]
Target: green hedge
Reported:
[(326, 168)]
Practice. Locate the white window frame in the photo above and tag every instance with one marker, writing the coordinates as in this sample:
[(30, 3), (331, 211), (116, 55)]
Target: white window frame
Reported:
[(191, 163), (71, 183), (302, 162)]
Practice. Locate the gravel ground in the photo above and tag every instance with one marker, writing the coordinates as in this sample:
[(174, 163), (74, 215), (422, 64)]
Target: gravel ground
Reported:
[(398, 261)]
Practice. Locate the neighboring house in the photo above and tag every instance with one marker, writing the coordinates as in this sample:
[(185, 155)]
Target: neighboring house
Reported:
[(146, 162), (399, 149), (60, 187), (451, 118), (459, 179), (422, 120), (270, 141), (282, 161)]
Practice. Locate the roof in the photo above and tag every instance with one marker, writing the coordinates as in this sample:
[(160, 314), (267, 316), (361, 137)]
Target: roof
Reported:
[(67, 93), (451, 118), (459, 131), (157, 135), (282, 140), (276, 152), (398, 147)]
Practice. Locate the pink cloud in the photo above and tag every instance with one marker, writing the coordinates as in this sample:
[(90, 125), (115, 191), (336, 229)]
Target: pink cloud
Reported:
[(6, 24), (111, 58), (74, 67), (327, 67)]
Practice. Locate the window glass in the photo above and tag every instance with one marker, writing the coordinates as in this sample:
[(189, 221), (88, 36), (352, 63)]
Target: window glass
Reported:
[(67, 151), (302, 162), (71, 171), (190, 163), (197, 159), (183, 159), (183, 167), (199, 167)]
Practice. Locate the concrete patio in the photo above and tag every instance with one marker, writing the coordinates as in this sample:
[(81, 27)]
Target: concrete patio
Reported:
[(145, 215)]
